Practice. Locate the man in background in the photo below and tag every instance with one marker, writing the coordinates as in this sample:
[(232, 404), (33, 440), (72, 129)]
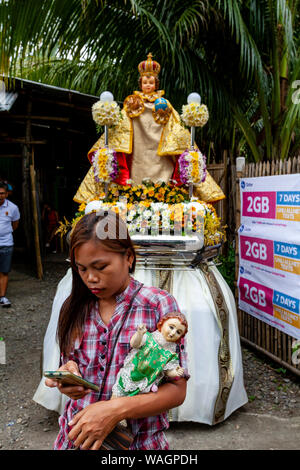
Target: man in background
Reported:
[(9, 221)]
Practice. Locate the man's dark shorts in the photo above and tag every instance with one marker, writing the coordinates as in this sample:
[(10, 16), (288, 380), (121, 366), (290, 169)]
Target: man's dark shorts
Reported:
[(5, 258)]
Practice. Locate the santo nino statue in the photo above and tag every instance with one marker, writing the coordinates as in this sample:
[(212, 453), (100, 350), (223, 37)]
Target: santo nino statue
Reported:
[(148, 142), (152, 357)]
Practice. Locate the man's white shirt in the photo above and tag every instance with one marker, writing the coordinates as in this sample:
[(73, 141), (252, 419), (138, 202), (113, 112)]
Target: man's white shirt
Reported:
[(9, 213)]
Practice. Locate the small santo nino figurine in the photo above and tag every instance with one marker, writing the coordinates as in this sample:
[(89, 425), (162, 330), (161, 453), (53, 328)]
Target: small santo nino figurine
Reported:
[(153, 357)]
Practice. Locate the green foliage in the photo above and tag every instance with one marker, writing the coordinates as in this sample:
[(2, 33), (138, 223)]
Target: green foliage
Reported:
[(227, 267), (251, 398), (281, 370), (296, 347), (240, 56)]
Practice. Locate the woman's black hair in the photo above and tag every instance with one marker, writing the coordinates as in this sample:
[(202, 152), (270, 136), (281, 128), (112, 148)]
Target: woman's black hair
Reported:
[(76, 307)]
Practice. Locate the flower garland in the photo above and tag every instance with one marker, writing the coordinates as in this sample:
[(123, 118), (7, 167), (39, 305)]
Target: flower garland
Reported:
[(192, 167), (105, 165), (106, 113), (194, 114), (155, 218), (169, 193)]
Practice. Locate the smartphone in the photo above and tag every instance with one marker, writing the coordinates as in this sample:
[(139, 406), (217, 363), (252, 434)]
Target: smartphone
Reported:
[(67, 378)]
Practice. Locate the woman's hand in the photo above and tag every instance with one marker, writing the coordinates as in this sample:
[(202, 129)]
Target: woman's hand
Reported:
[(92, 424), (72, 391)]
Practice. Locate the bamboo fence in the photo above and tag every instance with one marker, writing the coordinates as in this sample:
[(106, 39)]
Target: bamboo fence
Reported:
[(275, 344)]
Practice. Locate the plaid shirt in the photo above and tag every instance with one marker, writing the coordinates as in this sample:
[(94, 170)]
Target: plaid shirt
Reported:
[(94, 348)]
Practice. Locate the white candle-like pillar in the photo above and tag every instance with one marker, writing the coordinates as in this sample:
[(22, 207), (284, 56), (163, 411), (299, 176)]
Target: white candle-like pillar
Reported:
[(193, 98), (106, 96)]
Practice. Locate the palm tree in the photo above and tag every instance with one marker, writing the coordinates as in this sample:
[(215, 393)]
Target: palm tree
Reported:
[(270, 127), (234, 52)]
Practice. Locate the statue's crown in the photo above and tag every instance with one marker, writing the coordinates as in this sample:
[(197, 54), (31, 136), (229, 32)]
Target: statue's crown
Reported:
[(149, 66)]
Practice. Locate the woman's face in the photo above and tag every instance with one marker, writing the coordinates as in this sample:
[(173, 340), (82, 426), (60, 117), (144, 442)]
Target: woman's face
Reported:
[(104, 272), (172, 329), (148, 84)]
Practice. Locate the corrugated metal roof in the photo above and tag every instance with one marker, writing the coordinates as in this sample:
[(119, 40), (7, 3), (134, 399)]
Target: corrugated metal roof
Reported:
[(52, 87)]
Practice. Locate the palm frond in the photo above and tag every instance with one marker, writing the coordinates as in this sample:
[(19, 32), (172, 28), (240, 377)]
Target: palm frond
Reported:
[(291, 118), (229, 51)]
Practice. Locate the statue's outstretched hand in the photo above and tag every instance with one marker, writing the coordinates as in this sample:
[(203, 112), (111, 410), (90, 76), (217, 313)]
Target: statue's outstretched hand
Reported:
[(141, 329), (137, 338)]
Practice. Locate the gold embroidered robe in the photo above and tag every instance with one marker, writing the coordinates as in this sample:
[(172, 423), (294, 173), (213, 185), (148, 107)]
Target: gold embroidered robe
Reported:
[(153, 148)]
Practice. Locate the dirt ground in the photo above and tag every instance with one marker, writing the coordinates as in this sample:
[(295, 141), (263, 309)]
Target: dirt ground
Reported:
[(274, 394)]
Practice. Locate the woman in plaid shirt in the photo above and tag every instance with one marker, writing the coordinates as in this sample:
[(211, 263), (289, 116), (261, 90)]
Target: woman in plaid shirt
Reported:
[(89, 320)]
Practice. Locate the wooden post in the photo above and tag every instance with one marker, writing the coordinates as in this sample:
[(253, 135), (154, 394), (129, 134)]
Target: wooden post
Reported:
[(35, 222), (25, 182)]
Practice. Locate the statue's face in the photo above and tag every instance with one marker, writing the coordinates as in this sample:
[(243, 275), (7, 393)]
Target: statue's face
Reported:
[(172, 329), (148, 84)]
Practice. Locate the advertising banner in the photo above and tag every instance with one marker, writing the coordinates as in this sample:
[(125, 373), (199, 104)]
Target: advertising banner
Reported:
[(269, 251), (271, 201)]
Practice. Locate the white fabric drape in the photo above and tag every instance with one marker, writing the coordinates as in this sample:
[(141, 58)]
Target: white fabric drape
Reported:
[(48, 397)]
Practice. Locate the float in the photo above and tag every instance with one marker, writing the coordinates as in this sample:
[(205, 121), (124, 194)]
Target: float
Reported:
[(147, 167)]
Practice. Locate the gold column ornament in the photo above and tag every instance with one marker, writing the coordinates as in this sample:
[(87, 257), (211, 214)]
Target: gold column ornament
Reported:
[(226, 375)]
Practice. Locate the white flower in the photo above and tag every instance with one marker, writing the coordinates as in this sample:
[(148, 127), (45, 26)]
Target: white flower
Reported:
[(166, 224), (131, 215), (138, 224), (106, 113), (121, 205), (155, 218), (131, 229), (158, 206), (147, 214), (194, 114), (196, 205), (165, 213)]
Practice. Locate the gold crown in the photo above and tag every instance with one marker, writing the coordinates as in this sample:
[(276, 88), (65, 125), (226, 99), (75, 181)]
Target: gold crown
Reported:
[(149, 66)]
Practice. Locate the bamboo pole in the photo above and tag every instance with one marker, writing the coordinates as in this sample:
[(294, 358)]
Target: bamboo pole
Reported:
[(35, 223), (284, 338), (26, 177)]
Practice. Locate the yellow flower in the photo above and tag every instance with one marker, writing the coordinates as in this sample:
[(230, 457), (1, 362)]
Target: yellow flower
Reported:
[(82, 207)]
